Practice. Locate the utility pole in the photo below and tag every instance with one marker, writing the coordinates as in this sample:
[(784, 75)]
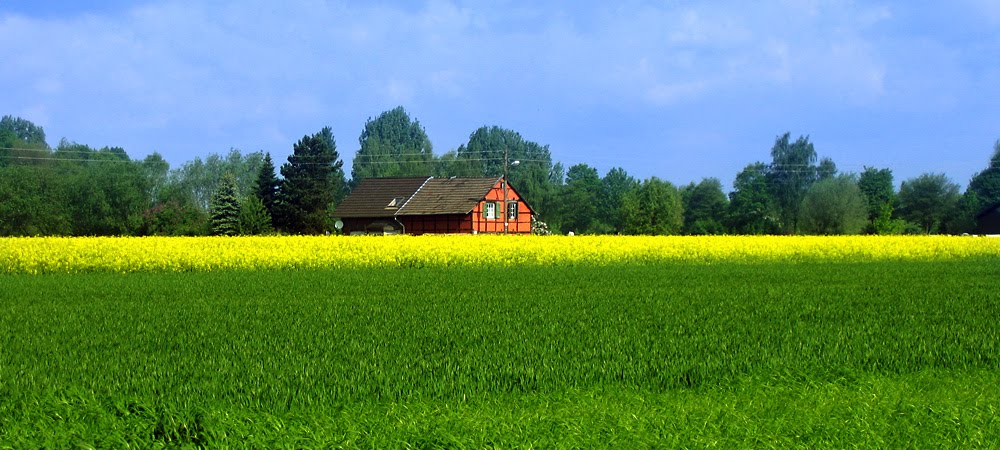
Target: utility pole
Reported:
[(506, 167), (506, 157)]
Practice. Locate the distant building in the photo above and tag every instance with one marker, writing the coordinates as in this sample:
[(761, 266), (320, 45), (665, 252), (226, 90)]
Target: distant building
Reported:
[(988, 220), (422, 205)]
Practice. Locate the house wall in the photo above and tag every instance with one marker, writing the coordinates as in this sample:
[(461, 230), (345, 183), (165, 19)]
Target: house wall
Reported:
[(522, 224), (374, 225), (450, 223), (989, 223)]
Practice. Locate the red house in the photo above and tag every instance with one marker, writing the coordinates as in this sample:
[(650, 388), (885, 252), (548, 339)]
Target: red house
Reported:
[(419, 205)]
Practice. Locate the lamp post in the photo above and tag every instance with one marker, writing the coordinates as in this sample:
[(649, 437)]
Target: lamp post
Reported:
[(507, 164)]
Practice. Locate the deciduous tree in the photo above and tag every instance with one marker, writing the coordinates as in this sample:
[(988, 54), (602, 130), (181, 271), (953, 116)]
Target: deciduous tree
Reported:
[(392, 145), (653, 209), (792, 171), (834, 205), (751, 207), (704, 207), (927, 200)]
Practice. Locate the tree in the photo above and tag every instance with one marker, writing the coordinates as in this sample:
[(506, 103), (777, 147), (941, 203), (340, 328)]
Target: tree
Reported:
[(826, 169), (28, 201), (615, 184), (199, 179), (985, 185), (254, 218), (877, 187), (313, 183), (751, 207), (267, 185), (653, 209), (579, 199), (225, 209), (24, 131), (392, 145), (793, 170), (834, 205), (927, 200), (704, 207), (21, 142), (156, 170)]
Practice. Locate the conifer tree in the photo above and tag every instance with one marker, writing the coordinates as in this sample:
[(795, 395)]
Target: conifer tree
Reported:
[(267, 185), (225, 208), (313, 182)]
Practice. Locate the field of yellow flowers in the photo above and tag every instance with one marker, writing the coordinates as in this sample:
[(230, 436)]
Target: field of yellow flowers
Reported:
[(621, 342), (181, 254)]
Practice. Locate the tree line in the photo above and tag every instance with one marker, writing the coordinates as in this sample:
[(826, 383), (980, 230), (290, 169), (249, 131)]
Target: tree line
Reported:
[(73, 189)]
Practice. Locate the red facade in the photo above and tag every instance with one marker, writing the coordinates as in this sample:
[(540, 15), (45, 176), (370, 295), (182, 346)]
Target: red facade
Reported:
[(518, 222)]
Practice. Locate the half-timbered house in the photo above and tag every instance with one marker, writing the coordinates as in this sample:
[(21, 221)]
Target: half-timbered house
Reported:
[(422, 205)]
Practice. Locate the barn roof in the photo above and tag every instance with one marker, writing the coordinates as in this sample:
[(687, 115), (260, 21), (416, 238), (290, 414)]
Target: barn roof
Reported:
[(415, 196), (448, 196), (373, 196), (987, 210)]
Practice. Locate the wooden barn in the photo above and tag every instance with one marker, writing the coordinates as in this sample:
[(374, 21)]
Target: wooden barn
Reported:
[(421, 205), (988, 220)]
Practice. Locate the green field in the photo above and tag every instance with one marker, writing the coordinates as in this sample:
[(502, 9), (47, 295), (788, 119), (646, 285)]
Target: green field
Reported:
[(783, 354)]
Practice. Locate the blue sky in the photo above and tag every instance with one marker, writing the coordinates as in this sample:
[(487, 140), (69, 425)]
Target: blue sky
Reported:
[(680, 90)]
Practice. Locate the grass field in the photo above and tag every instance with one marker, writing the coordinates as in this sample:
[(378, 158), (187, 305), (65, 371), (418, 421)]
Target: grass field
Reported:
[(793, 352)]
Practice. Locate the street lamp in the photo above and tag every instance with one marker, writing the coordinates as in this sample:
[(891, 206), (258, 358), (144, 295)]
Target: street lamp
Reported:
[(507, 164)]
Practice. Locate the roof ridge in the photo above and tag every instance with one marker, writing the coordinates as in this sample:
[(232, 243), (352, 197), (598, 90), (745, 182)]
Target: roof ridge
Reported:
[(414, 194)]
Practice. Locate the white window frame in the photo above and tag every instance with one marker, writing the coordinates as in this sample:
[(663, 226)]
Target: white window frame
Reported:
[(490, 211), (512, 210)]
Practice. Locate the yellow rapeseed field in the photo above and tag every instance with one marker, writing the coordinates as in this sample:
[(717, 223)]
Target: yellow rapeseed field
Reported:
[(138, 254)]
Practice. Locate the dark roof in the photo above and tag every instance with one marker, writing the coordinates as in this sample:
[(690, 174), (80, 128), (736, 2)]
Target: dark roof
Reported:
[(419, 196), (987, 210), (371, 197), (448, 196)]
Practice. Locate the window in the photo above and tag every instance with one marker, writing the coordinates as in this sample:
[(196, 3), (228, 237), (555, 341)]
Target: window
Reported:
[(396, 202), (512, 210), (490, 210)]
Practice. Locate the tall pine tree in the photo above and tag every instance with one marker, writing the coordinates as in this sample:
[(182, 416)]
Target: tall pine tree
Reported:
[(225, 208), (267, 185), (313, 182)]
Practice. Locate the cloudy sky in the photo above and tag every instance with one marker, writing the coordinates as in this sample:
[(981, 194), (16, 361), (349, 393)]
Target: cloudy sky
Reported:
[(677, 89)]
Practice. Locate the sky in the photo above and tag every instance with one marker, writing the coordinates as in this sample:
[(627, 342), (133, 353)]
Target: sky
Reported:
[(681, 90)]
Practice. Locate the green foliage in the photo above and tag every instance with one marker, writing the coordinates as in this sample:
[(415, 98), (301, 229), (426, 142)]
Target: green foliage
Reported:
[(877, 187), (156, 170), (23, 131), (834, 205), (751, 207), (792, 171), (199, 179), (615, 184), (313, 181), (653, 209), (225, 212), (684, 355), (391, 146), (885, 224), (74, 191), (579, 200), (704, 207), (986, 184), (174, 217), (31, 201), (267, 186), (928, 200), (254, 218)]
